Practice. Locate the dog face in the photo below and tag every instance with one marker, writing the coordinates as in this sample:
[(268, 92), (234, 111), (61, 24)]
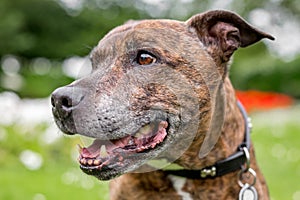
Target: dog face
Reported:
[(151, 91)]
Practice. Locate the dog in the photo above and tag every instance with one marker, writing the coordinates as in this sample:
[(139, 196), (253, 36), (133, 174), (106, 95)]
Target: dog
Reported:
[(159, 92)]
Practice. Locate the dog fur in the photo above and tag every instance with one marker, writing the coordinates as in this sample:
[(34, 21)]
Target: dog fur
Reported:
[(188, 60)]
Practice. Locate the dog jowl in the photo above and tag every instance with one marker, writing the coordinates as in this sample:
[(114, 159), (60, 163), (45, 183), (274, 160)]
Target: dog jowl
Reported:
[(159, 89)]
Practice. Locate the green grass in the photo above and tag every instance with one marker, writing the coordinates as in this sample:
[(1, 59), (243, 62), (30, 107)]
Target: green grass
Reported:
[(59, 177), (276, 136), (51, 182)]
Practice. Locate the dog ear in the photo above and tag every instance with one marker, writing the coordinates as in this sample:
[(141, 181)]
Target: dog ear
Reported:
[(223, 32)]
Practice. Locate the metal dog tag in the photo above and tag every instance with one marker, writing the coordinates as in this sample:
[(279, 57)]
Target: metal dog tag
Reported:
[(248, 192)]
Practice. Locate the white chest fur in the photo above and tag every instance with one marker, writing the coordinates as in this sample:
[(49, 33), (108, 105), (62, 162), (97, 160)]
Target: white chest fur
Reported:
[(178, 183)]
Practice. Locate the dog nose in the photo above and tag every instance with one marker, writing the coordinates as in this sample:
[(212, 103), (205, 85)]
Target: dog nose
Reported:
[(65, 99)]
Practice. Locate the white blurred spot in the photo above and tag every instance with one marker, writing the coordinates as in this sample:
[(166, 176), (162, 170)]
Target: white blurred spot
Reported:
[(87, 183), (296, 195), (39, 196), (278, 151), (9, 107), (277, 119), (70, 177), (51, 135), (279, 131), (12, 81), (154, 2), (186, 1), (41, 66), (283, 25), (155, 8), (10, 64), (34, 111), (27, 113), (221, 4), (276, 1), (178, 11), (24, 112), (260, 17), (75, 177), (31, 160), (77, 67), (72, 4)]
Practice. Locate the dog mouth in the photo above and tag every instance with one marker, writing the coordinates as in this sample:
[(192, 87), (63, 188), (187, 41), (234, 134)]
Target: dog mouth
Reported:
[(108, 158)]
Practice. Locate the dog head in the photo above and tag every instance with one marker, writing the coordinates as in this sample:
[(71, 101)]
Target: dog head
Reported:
[(152, 90)]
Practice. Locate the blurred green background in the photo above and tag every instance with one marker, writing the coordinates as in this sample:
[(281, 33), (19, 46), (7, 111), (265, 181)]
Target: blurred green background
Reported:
[(44, 44)]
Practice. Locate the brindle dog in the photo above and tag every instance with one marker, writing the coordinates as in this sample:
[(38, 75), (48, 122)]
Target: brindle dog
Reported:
[(159, 89)]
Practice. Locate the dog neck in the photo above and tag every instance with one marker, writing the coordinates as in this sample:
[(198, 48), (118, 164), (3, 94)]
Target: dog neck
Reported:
[(233, 127)]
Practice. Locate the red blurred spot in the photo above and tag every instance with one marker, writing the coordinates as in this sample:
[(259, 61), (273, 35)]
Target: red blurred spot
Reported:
[(256, 100)]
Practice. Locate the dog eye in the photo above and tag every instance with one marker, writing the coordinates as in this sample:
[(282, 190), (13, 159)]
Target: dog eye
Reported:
[(145, 58)]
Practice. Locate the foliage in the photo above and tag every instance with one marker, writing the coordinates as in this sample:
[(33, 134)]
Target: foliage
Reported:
[(56, 30), (256, 68), (42, 28)]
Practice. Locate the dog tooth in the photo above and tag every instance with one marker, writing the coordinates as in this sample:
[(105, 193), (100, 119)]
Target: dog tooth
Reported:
[(97, 162), (83, 161), (103, 152), (90, 162)]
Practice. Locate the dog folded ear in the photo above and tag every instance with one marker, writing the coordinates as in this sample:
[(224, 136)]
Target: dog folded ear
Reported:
[(222, 32)]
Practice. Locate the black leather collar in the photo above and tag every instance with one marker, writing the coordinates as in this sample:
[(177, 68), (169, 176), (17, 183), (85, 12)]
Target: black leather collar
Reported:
[(233, 163)]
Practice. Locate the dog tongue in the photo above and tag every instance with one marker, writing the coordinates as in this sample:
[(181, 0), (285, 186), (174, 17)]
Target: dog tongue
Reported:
[(150, 139), (94, 149)]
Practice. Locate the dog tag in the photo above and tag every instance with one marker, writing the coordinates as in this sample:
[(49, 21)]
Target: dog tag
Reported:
[(248, 193)]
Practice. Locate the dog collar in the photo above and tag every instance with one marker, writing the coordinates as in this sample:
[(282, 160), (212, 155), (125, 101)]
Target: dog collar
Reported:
[(233, 163)]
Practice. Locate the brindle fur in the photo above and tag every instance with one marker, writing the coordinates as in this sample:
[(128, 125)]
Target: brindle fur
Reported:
[(206, 40), (149, 185)]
